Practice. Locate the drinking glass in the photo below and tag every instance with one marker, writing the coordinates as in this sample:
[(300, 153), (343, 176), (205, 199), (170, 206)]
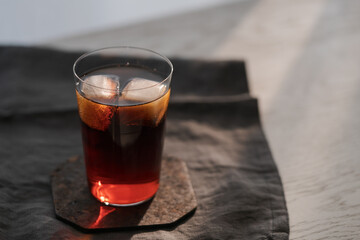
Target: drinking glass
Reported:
[(123, 95)]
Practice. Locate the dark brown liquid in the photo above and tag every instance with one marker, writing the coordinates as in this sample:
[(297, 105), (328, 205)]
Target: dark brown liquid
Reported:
[(123, 148)]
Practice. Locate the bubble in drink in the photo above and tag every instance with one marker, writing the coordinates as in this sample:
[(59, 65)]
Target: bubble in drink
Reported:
[(123, 132)]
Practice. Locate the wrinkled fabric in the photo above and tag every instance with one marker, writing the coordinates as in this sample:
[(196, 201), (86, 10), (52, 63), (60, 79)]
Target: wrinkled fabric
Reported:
[(213, 125)]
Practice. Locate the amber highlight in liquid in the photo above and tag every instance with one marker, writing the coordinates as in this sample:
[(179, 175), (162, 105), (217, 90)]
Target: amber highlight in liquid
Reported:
[(123, 148)]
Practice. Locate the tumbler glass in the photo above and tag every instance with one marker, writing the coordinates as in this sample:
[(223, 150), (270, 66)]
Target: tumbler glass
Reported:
[(123, 95)]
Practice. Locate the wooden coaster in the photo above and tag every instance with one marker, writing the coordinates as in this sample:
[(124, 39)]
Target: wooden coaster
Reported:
[(174, 201)]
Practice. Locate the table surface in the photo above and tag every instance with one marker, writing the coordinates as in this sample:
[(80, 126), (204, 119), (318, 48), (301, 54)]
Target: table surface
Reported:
[(303, 63)]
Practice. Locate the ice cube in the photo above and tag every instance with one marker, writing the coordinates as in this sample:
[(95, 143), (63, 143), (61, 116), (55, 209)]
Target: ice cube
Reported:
[(143, 90), (151, 113), (101, 87)]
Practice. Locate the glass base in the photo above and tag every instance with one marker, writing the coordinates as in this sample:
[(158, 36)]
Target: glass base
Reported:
[(127, 205), (124, 195)]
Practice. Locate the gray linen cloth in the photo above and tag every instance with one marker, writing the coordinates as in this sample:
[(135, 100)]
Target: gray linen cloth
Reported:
[(213, 125)]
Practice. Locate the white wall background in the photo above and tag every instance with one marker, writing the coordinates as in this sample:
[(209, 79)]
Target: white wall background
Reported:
[(30, 22)]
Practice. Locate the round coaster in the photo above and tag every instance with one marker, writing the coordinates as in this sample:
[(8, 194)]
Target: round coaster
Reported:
[(174, 201)]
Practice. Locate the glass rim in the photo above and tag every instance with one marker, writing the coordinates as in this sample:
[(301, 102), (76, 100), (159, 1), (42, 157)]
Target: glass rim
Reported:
[(83, 56)]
